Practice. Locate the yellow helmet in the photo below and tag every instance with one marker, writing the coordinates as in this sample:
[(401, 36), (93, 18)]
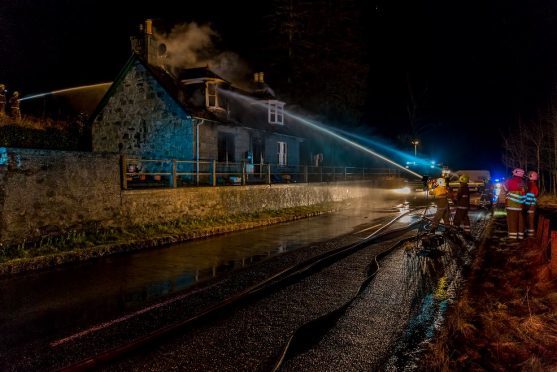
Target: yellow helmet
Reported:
[(464, 178)]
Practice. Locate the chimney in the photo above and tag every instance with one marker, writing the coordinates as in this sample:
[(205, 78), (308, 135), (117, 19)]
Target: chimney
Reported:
[(151, 51), (259, 77), (148, 27)]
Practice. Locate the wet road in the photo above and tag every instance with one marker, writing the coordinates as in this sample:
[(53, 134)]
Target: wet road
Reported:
[(37, 306)]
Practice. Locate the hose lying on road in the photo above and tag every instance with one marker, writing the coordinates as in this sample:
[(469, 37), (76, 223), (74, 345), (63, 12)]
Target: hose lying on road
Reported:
[(311, 332)]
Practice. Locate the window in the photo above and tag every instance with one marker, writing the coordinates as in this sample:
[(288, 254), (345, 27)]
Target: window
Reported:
[(226, 147), (282, 153), (211, 97), (276, 112)]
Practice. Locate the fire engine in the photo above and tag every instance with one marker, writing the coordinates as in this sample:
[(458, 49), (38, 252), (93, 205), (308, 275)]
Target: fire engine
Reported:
[(479, 184), (479, 179)]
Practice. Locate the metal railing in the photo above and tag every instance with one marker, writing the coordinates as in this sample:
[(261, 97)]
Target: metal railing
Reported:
[(145, 173)]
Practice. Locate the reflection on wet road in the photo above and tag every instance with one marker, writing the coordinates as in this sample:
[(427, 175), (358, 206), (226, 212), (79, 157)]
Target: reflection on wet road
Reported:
[(35, 305)]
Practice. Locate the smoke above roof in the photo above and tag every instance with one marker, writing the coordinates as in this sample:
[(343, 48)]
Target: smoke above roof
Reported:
[(190, 45)]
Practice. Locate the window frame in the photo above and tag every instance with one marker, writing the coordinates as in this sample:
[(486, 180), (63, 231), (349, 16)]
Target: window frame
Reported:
[(275, 112), (211, 93), (282, 156)]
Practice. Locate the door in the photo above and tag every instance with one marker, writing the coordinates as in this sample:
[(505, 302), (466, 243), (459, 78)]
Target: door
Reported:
[(282, 153), (226, 147)]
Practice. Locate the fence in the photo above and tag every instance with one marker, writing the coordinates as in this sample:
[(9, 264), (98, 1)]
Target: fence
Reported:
[(547, 240), (145, 173)]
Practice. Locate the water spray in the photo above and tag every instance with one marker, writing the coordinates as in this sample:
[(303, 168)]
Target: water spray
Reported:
[(83, 87), (350, 142), (321, 128), (377, 144)]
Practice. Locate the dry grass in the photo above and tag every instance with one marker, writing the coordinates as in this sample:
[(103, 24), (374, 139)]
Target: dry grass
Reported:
[(30, 122), (547, 201), (30, 132), (506, 317)]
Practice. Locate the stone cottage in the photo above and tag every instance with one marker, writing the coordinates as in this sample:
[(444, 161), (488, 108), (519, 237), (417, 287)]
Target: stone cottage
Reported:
[(190, 114)]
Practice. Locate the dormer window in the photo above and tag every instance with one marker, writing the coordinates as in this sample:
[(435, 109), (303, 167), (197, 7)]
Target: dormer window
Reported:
[(276, 112), (211, 96)]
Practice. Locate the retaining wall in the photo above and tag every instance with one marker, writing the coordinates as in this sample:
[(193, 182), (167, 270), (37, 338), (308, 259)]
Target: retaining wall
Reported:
[(46, 192)]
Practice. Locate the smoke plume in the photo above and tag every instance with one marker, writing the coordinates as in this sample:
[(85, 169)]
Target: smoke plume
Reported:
[(191, 45)]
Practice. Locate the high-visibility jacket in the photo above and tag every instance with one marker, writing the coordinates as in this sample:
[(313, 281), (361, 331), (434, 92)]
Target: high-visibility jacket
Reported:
[(440, 191), (441, 194), (462, 200), (516, 193), (531, 196)]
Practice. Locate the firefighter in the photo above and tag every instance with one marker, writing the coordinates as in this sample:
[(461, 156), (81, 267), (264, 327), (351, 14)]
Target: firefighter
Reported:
[(530, 203), (515, 189), (441, 199), (2, 100), (462, 202), (14, 106)]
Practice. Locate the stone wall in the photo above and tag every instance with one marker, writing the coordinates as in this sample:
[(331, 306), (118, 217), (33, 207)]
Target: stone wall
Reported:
[(47, 192), (155, 206), (140, 115)]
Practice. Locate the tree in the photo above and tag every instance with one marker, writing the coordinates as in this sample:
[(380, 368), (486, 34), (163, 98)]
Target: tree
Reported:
[(318, 50)]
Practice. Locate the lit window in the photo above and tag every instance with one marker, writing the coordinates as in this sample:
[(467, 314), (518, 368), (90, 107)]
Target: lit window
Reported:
[(282, 153), (211, 97), (276, 112)]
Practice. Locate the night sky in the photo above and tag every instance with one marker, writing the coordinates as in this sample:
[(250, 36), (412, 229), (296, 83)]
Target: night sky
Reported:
[(475, 67)]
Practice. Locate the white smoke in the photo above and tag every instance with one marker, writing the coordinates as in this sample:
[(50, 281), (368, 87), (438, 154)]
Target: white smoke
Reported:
[(191, 45)]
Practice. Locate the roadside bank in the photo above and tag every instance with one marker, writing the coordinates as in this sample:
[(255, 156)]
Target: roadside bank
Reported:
[(94, 243), (506, 316)]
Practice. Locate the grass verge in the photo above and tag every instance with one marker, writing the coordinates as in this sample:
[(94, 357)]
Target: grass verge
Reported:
[(75, 246), (506, 317)]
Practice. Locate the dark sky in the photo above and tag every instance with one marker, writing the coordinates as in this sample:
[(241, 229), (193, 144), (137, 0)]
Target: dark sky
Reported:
[(475, 66)]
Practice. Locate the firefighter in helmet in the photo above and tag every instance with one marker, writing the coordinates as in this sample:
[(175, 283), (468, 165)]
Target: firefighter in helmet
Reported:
[(14, 106), (462, 202), (530, 202), (2, 100), (515, 189), (440, 192)]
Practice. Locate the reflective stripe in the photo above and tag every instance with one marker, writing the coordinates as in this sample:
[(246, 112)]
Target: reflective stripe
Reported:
[(515, 194), (531, 211), (513, 209), (464, 196), (461, 207), (520, 201), (530, 199), (515, 197)]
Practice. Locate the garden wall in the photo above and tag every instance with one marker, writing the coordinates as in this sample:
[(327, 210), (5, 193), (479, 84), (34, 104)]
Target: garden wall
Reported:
[(45, 192)]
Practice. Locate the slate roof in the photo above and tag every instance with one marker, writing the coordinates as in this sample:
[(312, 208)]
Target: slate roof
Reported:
[(197, 73), (172, 85)]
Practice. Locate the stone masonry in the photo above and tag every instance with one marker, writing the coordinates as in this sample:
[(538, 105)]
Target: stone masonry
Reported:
[(46, 192), (140, 118)]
